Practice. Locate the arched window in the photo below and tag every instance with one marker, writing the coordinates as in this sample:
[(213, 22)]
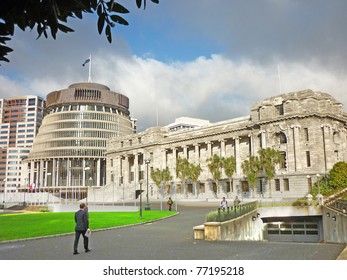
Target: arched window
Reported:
[(282, 138)]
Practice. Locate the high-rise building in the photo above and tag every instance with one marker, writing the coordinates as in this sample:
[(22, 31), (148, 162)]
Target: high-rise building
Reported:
[(68, 154), (20, 119)]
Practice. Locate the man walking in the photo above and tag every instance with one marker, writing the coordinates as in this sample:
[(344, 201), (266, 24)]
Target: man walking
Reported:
[(82, 226)]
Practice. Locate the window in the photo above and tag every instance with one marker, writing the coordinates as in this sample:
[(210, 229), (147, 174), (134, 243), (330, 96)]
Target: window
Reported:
[(309, 183), (280, 109), (306, 134), (277, 185), (282, 138), (308, 159), (286, 184), (32, 101)]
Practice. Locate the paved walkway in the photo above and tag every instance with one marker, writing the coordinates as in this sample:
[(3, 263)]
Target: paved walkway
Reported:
[(169, 239)]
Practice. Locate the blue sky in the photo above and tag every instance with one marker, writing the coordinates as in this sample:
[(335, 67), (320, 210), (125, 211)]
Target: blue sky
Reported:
[(205, 59)]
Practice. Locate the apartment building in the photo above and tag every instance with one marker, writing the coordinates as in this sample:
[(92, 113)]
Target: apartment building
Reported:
[(20, 120)]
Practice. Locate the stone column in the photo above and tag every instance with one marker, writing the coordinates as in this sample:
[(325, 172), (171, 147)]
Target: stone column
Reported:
[(41, 180), (174, 162), (197, 153), (98, 163), (328, 150), (54, 175), (237, 155), (209, 149), (296, 145), (185, 152), (136, 168), (222, 148)]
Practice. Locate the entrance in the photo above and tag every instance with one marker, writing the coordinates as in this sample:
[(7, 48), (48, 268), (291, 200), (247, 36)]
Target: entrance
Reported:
[(293, 229)]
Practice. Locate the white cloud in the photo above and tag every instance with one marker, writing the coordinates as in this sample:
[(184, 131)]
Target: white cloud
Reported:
[(214, 88)]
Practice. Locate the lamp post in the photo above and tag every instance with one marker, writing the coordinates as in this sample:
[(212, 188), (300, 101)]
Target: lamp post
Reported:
[(85, 180), (141, 181), (148, 206), (319, 196), (112, 187)]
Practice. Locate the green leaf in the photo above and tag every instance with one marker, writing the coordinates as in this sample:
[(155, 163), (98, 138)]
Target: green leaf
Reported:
[(119, 20), (108, 33), (64, 28), (101, 23), (117, 8), (139, 3)]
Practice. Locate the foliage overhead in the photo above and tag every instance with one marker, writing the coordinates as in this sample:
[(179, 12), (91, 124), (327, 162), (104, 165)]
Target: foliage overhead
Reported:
[(51, 16)]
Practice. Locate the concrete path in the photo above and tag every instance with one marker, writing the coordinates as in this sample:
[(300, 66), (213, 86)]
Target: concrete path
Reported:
[(168, 239)]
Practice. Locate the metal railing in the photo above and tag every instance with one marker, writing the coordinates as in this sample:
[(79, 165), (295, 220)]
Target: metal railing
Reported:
[(233, 212)]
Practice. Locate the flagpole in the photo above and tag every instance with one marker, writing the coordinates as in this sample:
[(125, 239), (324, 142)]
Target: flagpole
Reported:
[(90, 69)]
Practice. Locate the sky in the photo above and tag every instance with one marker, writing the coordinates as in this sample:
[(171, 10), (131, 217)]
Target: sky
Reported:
[(192, 58)]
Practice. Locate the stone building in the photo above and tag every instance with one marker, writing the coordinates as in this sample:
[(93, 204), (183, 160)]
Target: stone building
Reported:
[(308, 128), (68, 154)]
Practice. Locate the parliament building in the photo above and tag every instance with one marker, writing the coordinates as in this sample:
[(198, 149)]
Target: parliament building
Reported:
[(307, 127)]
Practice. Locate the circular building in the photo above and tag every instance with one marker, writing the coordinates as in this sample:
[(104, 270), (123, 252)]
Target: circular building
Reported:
[(68, 154)]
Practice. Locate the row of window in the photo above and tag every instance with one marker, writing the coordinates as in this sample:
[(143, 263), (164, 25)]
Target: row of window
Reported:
[(83, 124), (72, 153), (78, 134), (86, 116), (72, 143), (94, 108)]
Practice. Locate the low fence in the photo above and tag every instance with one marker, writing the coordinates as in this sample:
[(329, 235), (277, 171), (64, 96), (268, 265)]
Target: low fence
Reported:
[(233, 212)]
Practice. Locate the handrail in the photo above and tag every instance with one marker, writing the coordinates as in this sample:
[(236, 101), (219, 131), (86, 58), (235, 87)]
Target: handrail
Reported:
[(230, 213)]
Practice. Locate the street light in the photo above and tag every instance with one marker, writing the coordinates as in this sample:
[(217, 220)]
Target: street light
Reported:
[(141, 181), (148, 206), (319, 196), (85, 181)]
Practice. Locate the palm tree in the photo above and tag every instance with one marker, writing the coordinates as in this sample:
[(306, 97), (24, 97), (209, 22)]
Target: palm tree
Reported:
[(269, 158), (251, 169), (215, 167), (161, 176), (182, 171), (229, 165), (194, 172)]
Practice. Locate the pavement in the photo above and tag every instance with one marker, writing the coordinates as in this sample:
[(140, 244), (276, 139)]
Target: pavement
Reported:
[(167, 239)]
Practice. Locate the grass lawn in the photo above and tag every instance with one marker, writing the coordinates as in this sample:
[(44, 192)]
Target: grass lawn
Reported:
[(25, 225)]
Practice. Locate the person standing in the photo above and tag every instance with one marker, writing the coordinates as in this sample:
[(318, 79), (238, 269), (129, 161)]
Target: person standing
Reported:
[(224, 203), (82, 226), (237, 201), (169, 203)]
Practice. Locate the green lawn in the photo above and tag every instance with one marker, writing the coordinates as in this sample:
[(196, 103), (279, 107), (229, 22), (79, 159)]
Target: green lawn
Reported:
[(18, 226)]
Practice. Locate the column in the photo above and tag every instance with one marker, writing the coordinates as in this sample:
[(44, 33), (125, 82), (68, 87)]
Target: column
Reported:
[(185, 151), (174, 162), (209, 149), (41, 178), (296, 146), (237, 155), (222, 148), (197, 153), (98, 163), (54, 163), (327, 149), (136, 168)]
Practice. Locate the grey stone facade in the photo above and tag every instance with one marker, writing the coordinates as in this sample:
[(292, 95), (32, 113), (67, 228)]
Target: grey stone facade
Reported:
[(307, 127)]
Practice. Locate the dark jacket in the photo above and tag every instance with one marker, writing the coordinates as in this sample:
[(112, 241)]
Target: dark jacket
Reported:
[(81, 219)]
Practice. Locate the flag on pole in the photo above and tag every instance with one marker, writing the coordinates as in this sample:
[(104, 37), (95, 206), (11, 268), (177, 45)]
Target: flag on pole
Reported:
[(87, 61)]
